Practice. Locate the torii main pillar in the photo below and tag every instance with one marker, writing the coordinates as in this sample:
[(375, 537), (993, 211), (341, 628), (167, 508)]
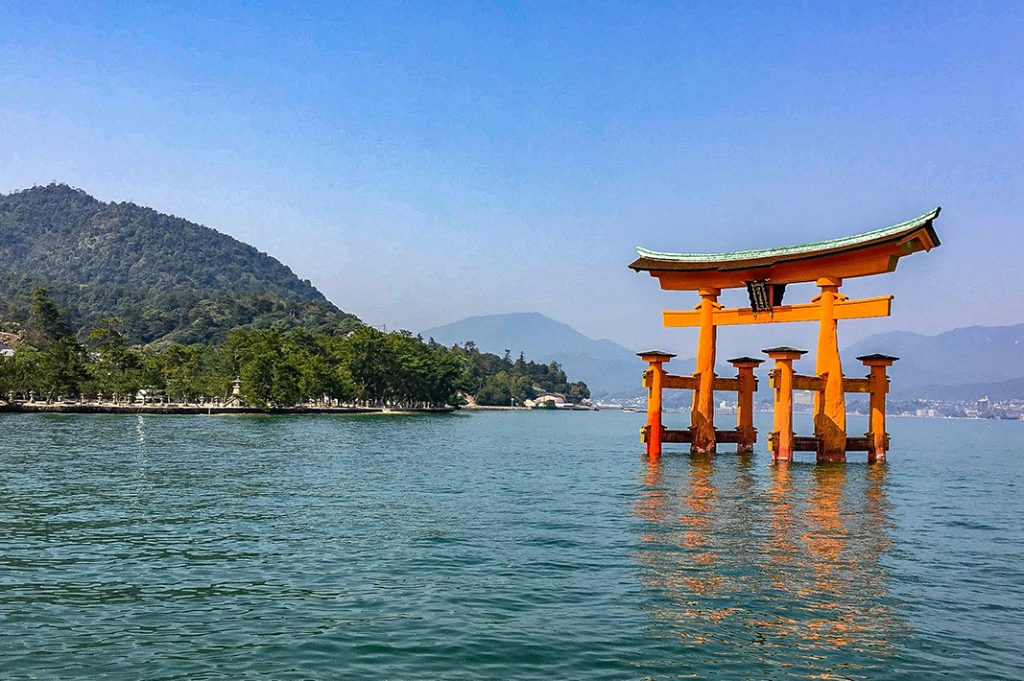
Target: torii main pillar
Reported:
[(830, 402), (702, 414)]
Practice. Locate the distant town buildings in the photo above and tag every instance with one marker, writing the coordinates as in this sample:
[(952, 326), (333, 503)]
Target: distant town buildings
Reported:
[(982, 408)]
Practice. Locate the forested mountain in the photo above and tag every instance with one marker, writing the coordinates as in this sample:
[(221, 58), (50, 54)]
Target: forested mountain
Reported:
[(168, 279)]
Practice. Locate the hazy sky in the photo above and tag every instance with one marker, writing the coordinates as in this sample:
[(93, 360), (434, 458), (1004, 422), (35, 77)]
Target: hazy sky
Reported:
[(425, 161)]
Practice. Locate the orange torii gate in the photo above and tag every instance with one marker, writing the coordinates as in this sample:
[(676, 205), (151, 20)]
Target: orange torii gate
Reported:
[(765, 274)]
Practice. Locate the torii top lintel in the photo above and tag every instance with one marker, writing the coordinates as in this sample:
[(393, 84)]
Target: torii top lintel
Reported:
[(859, 255)]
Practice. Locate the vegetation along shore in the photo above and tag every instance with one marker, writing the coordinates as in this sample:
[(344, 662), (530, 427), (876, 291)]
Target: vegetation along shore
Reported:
[(51, 368)]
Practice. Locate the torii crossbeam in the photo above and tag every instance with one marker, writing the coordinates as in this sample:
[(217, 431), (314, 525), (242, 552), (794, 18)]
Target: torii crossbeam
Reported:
[(765, 274)]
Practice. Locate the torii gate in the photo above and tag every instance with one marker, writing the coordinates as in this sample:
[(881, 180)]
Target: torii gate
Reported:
[(765, 274)]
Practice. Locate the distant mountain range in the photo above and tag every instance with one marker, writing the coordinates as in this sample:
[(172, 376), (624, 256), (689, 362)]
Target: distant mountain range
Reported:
[(608, 368), (962, 364), (165, 277)]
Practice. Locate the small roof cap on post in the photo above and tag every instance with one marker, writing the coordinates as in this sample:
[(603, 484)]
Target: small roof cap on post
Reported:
[(784, 352), (784, 348), (877, 359), (737, 361), (655, 356)]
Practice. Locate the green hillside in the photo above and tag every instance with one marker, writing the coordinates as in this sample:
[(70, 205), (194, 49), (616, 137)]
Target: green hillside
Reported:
[(167, 278)]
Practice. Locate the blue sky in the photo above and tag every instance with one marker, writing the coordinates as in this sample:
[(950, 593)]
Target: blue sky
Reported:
[(422, 162)]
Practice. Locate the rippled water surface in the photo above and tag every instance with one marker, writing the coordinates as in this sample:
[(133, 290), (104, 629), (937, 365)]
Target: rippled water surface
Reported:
[(499, 545)]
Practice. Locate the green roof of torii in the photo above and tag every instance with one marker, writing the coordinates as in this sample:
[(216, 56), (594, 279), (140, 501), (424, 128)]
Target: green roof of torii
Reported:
[(649, 259)]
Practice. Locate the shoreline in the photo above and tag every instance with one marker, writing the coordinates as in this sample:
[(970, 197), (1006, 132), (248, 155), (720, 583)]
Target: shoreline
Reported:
[(478, 407), (204, 410)]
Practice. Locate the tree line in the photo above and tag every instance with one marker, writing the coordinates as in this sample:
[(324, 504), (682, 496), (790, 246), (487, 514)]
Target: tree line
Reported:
[(277, 366)]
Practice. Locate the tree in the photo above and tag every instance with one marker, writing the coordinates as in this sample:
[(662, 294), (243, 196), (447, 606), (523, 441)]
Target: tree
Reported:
[(46, 320), (58, 370), (373, 364), (52, 362), (115, 368), (578, 392), (501, 389), (187, 372), (447, 376), (269, 375)]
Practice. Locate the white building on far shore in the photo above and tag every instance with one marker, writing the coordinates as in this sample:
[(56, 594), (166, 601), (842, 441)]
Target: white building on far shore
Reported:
[(547, 401)]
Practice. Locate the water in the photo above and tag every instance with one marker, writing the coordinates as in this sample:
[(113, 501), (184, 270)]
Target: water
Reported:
[(499, 545)]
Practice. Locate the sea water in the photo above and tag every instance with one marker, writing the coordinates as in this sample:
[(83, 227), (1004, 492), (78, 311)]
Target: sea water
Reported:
[(527, 545)]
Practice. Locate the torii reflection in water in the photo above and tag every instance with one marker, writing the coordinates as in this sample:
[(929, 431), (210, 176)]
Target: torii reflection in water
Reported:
[(779, 563)]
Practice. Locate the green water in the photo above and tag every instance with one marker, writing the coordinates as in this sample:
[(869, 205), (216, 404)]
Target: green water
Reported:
[(499, 545)]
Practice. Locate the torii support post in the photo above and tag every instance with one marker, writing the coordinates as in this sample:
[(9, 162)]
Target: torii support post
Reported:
[(830, 401), (702, 415), (747, 434), (781, 439), (878, 386), (654, 378)]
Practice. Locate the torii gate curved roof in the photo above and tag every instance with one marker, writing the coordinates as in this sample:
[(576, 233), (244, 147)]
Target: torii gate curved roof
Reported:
[(863, 254)]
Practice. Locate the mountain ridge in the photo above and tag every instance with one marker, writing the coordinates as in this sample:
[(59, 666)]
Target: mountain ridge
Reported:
[(165, 276), (963, 363), (930, 365), (609, 369)]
